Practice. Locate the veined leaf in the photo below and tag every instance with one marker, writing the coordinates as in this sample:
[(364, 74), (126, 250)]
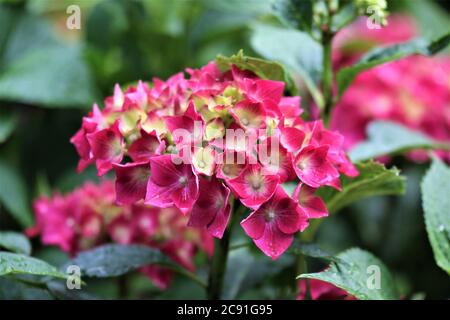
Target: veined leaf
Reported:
[(382, 55), (295, 13), (13, 263), (11, 289), (245, 270), (436, 206), (13, 194), (373, 179), (311, 250), (262, 68), (359, 273), (389, 138), (15, 242), (60, 68), (8, 122), (295, 49), (113, 260)]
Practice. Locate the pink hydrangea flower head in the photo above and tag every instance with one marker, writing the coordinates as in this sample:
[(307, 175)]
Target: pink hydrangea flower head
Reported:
[(192, 145)]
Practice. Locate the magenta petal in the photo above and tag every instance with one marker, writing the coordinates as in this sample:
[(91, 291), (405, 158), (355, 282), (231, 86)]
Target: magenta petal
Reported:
[(270, 90), (131, 182), (316, 208), (253, 186), (211, 209), (157, 196), (146, 146), (254, 225), (274, 242), (249, 115), (179, 122), (288, 220), (81, 144), (163, 170), (313, 205), (313, 167), (220, 222), (107, 147), (292, 138), (185, 197)]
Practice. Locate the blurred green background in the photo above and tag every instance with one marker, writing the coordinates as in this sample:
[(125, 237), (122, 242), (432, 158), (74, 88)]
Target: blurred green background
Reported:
[(50, 76)]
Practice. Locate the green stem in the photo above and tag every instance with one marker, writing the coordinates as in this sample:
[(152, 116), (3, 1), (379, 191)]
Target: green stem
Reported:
[(219, 260), (189, 275), (302, 268), (122, 283), (327, 76), (218, 266)]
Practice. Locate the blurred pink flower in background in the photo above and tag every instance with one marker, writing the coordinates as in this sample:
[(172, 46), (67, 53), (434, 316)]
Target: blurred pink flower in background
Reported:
[(414, 91), (88, 217)]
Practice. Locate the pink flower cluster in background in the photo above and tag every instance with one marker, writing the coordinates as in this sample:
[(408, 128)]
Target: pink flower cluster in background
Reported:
[(266, 145), (413, 91), (88, 217)]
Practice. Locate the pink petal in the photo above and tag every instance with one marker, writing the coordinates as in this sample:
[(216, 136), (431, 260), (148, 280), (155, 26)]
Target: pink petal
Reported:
[(131, 182), (185, 197), (211, 209), (163, 170), (107, 147), (313, 205), (292, 138), (146, 146), (273, 242), (249, 115), (313, 168), (254, 225), (253, 186)]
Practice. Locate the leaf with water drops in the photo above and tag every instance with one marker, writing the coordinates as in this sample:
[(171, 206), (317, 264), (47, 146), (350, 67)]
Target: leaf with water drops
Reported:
[(13, 263), (436, 206), (374, 179), (15, 242), (359, 273), (114, 260)]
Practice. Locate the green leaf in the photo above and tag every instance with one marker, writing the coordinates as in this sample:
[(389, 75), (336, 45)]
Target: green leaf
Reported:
[(382, 55), (373, 179), (436, 206), (36, 67), (296, 50), (262, 68), (355, 273), (15, 242), (11, 289), (8, 122), (428, 15), (60, 291), (114, 260), (389, 138), (311, 250), (245, 271), (13, 263), (13, 195), (22, 33), (52, 77), (295, 13)]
